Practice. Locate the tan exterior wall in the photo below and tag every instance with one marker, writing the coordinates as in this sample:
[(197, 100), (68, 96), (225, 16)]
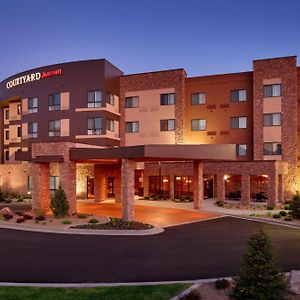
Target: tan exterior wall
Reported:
[(65, 127), (65, 101)]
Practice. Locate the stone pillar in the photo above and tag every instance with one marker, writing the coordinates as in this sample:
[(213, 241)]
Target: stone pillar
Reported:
[(245, 197), (215, 187), (127, 189), (67, 181), (118, 184), (273, 188), (100, 183), (40, 173), (171, 187), (280, 189), (146, 185), (220, 187), (198, 184)]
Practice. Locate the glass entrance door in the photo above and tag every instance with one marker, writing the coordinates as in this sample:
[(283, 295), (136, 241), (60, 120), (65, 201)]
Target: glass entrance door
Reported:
[(110, 187)]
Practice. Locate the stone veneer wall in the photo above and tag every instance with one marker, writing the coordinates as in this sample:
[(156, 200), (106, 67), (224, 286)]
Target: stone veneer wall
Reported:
[(155, 80), (82, 171)]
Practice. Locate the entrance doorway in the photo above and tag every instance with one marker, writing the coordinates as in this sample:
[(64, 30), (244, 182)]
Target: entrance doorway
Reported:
[(90, 187), (111, 187), (183, 186), (208, 182), (139, 183)]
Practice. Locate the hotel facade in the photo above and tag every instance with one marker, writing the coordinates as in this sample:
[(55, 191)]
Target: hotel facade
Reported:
[(97, 133)]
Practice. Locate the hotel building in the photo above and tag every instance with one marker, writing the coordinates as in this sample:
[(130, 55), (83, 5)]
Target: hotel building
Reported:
[(99, 133)]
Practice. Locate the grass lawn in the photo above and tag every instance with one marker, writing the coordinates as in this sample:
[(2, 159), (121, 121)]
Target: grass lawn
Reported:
[(125, 292)]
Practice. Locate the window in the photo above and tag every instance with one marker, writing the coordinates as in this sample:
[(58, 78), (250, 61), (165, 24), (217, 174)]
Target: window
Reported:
[(6, 112), (29, 184), (6, 154), (131, 102), (167, 99), (54, 128), (19, 131), (32, 129), (94, 126), (198, 125), (273, 90), (32, 105), (110, 125), (241, 150), (94, 99), (238, 122), (238, 95), (132, 127), (167, 125), (6, 135), (110, 99), (54, 102), (54, 184), (19, 109), (272, 119), (198, 98), (272, 148)]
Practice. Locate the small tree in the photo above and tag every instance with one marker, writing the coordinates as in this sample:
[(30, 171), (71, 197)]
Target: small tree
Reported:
[(260, 277), (59, 204), (295, 207)]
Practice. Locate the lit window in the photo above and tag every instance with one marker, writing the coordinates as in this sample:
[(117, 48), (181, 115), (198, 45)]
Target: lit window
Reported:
[(54, 128), (131, 102), (272, 148), (32, 129), (238, 95), (198, 98), (131, 127), (198, 125), (54, 102), (272, 119), (94, 126), (167, 99), (238, 122), (273, 90), (94, 99), (167, 125), (32, 105), (241, 149)]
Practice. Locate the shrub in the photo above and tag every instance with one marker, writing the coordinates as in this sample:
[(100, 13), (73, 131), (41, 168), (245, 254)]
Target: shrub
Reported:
[(81, 216), (59, 204), (20, 220), (269, 214), (8, 200), (221, 284), (2, 199), (289, 219), (192, 295), (295, 207), (27, 217), (220, 203), (40, 214), (283, 213), (276, 216), (146, 197), (270, 207), (287, 206), (93, 221), (20, 199), (66, 222), (260, 276)]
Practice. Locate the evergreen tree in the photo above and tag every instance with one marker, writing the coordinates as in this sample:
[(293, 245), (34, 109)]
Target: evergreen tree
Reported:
[(59, 204), (295, 207), (260, 277)]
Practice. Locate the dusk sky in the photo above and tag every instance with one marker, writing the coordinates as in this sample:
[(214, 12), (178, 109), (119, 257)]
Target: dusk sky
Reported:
[(203, 37)]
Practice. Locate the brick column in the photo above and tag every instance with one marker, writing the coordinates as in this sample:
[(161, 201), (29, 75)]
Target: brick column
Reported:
[(220, 187), (118, 184), (146, 185), (127, 189), (215, 187), (40, 173), (198, 184), (100, 183), (273, 188), (245, 197), (280, 189), (67, 181)]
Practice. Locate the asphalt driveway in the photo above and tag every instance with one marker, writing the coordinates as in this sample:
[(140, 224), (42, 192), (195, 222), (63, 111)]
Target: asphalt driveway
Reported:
[(200, 250)]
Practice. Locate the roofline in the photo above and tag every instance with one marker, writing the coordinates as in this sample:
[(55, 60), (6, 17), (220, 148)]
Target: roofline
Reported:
[(151, 72), (278, 57), (223, 74)]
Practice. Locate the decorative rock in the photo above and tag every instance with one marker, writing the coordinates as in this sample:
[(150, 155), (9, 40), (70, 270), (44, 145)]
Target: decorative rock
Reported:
[(6, 213), (293, 282)]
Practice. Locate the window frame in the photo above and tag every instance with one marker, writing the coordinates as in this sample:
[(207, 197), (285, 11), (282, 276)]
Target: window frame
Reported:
[(94, 103), (241, 117), (52, 105), (167, 102), (238, 152), (110, 99), (274, 152), (94, 130), (272, 119), (131, 123), (198, 127), (33, 109), (271, 87), (239, 98), (129, 102), (198, 98), (32, 134), (56, 132), (110, 122), (169, 128)]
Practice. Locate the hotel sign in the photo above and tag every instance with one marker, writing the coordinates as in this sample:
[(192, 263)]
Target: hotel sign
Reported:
[(32, 77)]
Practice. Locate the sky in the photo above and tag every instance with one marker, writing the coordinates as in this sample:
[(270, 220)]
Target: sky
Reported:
[(202, 36)]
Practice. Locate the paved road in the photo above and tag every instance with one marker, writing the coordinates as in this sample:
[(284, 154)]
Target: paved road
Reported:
[(200, 250)]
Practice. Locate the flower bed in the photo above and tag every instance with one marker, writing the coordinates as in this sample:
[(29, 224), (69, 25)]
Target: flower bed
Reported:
[(115, 224)]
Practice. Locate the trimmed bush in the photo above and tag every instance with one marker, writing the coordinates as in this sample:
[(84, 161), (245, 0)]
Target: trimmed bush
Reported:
[(81, 216), (220, 203), (276, 216), (59, 204), (260, 276), (295, 207), (222, 284), (93, 221), (40, 214), (146, 198), (288, 219), (283, 213), (2, 198), (66, 222), (270, 207), (192, 295), (287, 206)]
